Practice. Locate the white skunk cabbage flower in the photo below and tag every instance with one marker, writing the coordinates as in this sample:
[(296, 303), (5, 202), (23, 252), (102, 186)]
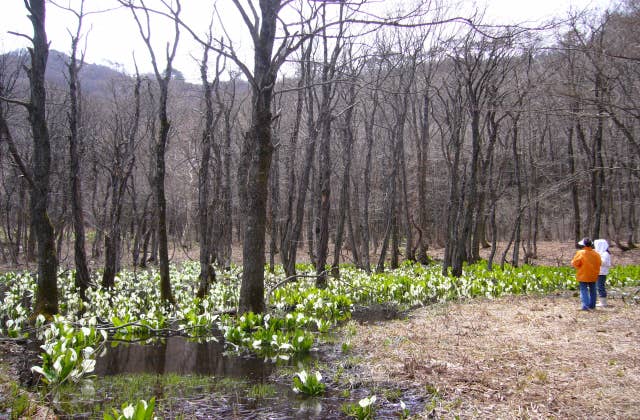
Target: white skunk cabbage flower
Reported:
[(366, 402)]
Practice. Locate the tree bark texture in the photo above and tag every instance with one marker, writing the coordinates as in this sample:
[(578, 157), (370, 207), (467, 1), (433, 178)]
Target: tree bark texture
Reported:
[(260, 149), (46, 301), (82, 278)]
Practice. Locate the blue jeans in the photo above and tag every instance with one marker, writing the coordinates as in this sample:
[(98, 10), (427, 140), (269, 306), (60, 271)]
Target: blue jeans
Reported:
[(602, 280), (588, 294)]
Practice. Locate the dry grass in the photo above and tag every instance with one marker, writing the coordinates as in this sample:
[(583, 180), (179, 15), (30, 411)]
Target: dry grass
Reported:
[(515, 357)]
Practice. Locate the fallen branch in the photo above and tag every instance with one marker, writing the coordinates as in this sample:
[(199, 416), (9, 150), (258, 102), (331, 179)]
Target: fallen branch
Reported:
[(292, 278)]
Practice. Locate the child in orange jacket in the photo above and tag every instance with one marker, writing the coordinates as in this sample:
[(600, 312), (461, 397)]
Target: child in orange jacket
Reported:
[(587, 265)]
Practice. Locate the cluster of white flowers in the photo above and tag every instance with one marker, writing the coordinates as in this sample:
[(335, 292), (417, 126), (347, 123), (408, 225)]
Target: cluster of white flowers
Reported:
[(68, 352)]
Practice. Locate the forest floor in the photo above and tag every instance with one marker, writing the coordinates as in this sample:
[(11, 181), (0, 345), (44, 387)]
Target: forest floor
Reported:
[(549, 253), (514, 357), (552, 254)]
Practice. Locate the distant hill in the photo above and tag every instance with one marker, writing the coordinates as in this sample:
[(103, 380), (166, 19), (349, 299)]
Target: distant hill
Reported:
[(94, 78)]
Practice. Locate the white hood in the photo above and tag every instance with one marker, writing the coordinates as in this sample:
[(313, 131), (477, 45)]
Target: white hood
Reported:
[(600, 245)]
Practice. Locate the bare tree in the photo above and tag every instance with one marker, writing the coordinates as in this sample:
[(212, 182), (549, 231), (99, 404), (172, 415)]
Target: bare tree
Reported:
[(452, 126), (207, 272), (46, 299), (370, 113), (124, 141), (478, 63), (421, 115), (17, 177), (163, 80), (292, 226), (347, 134), (74, 116), (324, 126), (263, 31)]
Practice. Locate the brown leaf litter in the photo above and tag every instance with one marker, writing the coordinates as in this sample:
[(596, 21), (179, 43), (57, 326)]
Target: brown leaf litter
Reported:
[(513, 357)]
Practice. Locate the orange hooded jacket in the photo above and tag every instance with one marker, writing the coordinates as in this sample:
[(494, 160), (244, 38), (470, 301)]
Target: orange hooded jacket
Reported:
[(587, 264)]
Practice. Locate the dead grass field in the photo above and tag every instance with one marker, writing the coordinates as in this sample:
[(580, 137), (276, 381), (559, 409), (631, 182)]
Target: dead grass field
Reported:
[(514, 357)]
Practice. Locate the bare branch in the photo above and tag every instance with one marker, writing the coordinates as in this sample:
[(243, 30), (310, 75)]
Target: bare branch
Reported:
[(252, 26), (27, 105), (21, 35), (6, 134)]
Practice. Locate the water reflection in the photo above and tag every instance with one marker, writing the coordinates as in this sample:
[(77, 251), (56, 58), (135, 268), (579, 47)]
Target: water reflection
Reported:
[(212, 398), (180, 356)]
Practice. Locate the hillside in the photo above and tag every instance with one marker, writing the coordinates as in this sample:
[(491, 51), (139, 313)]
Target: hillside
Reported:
[(95, 79)]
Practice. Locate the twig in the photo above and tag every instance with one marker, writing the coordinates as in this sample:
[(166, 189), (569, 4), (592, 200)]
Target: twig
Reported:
[(295, 277)]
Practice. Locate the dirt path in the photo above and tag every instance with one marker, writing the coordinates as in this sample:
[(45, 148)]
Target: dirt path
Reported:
[(515, 357)]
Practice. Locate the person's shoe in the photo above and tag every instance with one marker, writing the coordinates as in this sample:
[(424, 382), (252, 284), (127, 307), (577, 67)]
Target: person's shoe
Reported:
[(602, 302)]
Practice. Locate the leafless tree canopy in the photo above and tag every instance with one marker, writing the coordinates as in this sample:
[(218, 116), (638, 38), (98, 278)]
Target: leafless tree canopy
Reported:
[(347, 136)]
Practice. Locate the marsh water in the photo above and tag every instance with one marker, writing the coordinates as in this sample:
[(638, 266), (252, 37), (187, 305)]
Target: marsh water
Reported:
[(180, 356), (203, 380)]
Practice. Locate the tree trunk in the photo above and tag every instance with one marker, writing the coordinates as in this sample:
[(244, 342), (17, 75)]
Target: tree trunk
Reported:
[(207, 273), (82, 278), (324, 184), (112, 237), (327, 88), (516, 169), (597, 174), (139, 226), (166, 295), (161, 201), (575, 198), (394, 262), (258, 143), (453, 105), (492, 219), (471, 193), (124, 160), (347, 139), (422, 148), (22, 220), (46, 299), (409, 249), (224, 252), (353, 233), (292, 227), (275, 209), (390, 213), (364, 223), (631, 216), (252, 289)]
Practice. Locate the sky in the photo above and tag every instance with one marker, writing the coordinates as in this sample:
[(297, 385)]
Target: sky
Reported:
[(112, 37)]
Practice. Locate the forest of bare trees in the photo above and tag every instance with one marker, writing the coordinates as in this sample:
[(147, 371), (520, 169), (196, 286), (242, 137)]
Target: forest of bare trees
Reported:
[(390, 137)]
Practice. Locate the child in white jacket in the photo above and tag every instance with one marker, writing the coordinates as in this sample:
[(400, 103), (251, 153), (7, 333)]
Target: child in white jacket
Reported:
[(602, 247)]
